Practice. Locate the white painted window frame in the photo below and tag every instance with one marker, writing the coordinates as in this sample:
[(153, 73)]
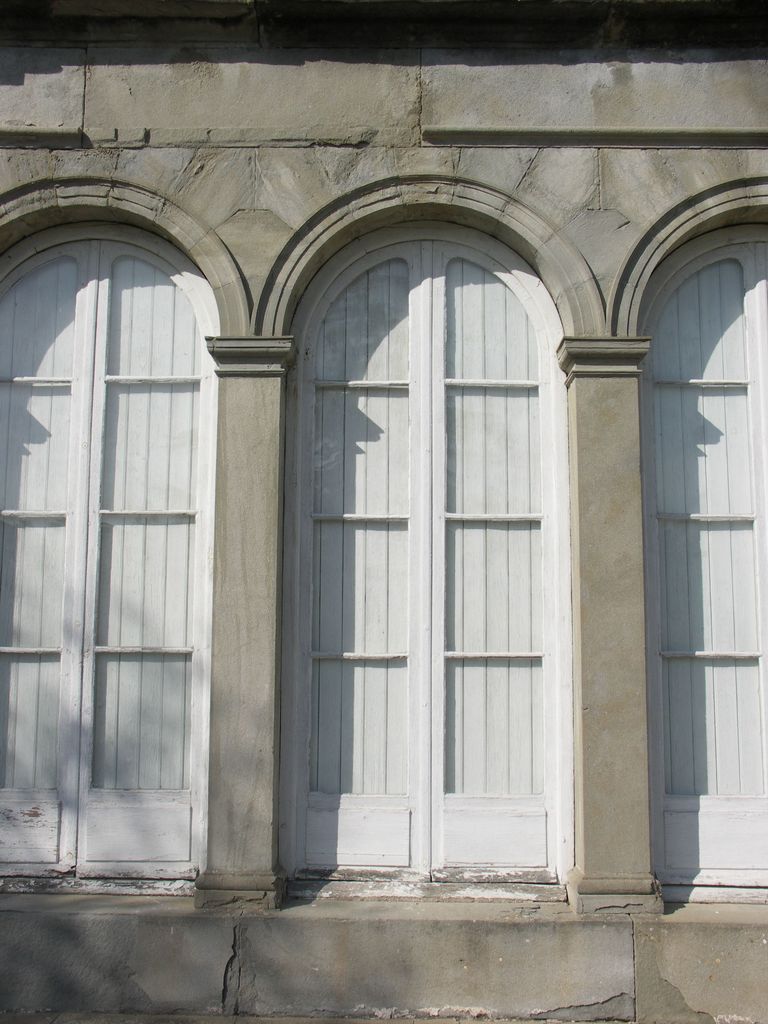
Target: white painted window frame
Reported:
[(729, 243), (329, 282), (77, 680)]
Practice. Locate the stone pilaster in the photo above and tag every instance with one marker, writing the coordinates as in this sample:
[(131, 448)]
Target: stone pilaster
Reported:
[(242, 790), (613, 854)]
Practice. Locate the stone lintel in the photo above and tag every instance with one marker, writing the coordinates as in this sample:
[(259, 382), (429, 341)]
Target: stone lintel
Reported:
[(602, 357), (251, 356)]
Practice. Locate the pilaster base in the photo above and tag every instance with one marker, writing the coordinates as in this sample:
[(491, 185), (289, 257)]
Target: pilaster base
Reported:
[(636, 894), (255, 893)]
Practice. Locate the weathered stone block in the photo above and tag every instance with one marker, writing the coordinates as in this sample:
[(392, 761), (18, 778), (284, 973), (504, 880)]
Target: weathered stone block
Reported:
[(114, 955), (41, 88), (251, 96), (370, 960), (485, 90), (703, 963)]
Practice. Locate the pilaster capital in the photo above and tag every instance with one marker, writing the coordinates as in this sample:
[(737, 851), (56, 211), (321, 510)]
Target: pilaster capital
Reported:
[(251, 356), (602, 357)]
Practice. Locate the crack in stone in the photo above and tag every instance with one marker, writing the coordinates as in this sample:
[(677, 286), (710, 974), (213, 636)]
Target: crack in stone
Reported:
[(617, 1007), (230, 993)]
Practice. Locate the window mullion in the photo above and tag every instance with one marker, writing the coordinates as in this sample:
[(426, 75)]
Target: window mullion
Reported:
[(437, 511), (73, 613), (93, 431)]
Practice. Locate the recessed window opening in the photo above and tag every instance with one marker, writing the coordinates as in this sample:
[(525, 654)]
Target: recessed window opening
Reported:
[(105, 528), (425, 668)]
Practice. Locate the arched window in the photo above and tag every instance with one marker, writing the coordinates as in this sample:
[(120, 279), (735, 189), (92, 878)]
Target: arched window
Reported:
[(707, 393), (105, 506), (428, 603)]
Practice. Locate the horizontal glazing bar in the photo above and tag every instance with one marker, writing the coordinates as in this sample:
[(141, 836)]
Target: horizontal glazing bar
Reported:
[(482, 382), (48, 382), (143, 379), (356, 517), (489, 518), (171, 651), (701, 517), (34, 651), (364, 384), (702, 383), (354, 656), (494, 655), (12, 513), (713, 655), (149, 513)]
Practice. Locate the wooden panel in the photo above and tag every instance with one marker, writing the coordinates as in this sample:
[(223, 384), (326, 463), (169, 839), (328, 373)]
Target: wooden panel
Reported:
[(139, 827), (359, 727), (713, 731), (145, 582), (361, 451), (701, 330), (152, 329), (29, 712), (29, 829), (141, 722), (488, 333), (493, 587), (709, 600), (150, 446), (360, 584), (35, 449), (493, 456), (500, 835), (32, 582), (37, 322), (494, 728), (373, 837), (364, 335), (702, 440), (728, 837)]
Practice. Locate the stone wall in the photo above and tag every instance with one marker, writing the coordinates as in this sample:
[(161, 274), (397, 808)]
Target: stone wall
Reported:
[(591, 138)]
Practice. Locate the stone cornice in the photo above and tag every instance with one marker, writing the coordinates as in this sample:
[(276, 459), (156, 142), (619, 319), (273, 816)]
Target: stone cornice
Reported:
[(602, 357), (251, 356), (599, 25)]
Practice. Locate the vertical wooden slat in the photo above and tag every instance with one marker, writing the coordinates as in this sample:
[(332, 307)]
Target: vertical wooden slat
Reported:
[(501, 607), (150, 722), (474, 739), (374, 731), (679, 690), (702, 726), (356, 330), (726, 719), (733, 343), (328, 676), (397, 728), (520, 723), (497, 733), (751, 754)]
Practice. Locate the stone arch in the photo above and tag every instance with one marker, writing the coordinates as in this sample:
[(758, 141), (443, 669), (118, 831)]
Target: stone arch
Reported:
[(46, 204), (561, 267), (731, 203)]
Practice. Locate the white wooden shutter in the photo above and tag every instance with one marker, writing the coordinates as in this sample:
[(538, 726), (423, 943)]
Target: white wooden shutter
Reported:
[(493, 812), (137, 807), (100, 369), (359, 733), (423, 526), (38, 337), (709, 523)]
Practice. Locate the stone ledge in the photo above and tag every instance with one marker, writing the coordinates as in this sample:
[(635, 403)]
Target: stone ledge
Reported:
[(76, 956)]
